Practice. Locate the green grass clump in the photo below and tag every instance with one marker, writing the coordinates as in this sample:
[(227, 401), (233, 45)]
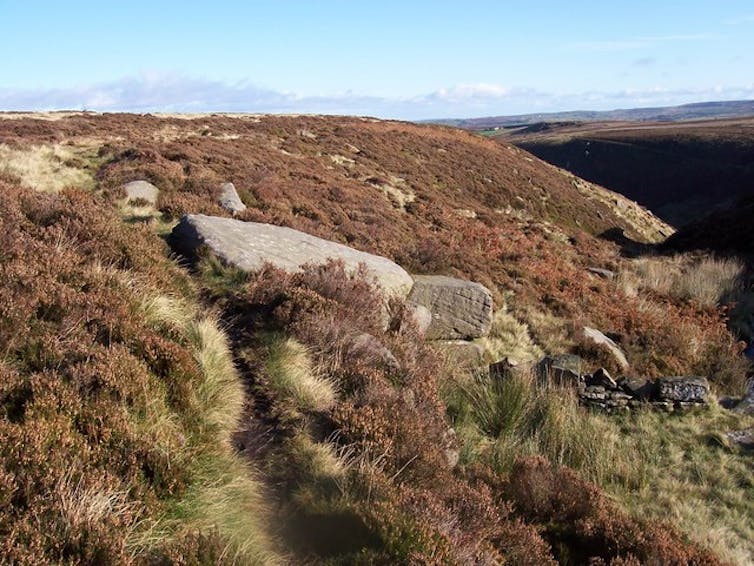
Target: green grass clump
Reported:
[(510, 417), (693, 476), (660, 467)]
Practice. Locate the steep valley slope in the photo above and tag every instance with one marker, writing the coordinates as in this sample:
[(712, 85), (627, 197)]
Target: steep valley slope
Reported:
[(679, 170)]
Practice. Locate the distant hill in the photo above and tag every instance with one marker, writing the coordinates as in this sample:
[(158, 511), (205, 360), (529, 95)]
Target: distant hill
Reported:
[(695, 111)]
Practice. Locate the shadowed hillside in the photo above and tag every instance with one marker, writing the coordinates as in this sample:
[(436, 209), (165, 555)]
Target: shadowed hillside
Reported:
[(680, 171)]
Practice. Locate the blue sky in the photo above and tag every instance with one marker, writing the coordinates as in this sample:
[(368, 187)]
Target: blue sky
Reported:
[(388, 58)]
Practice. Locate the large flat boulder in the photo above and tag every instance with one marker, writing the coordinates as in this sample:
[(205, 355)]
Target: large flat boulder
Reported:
[(249, 245), (461, 310)]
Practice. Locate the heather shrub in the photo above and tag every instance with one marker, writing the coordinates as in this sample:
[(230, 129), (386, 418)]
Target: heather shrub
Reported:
[(582, 524), (110, 396), (376, 462)]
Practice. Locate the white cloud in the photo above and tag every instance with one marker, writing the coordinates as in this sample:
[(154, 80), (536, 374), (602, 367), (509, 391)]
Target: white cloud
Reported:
[(174, 93)]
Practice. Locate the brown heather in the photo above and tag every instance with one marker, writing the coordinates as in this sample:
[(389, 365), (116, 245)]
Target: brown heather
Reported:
[(399, 496), (533, 233), (87, 477), (83, 469)]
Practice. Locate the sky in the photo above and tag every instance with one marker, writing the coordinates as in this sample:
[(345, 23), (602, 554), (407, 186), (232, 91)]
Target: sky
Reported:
[(395, 59)]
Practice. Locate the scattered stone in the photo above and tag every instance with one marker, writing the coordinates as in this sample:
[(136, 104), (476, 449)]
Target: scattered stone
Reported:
[(141, 191), (563, 370), (461, 310), (249, 245), (744, 438), (602, 377), (373, 351), (601, 340), (746, 405), (604, 273), (421, 316), (461, 353), (639, 388), (505, 368), (728, 402), (465, 213), (230, 200), (693, 389)]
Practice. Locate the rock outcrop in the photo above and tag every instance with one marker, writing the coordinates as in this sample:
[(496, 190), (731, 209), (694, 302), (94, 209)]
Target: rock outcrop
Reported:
[(141, 191), (461, 310), (230, 200), (683, 389), (250, 245)]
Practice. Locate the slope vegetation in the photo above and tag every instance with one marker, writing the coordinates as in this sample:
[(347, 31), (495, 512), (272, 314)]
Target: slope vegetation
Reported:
[(126, 404)]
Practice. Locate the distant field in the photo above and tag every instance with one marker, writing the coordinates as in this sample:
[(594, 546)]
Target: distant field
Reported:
[(679, 170)]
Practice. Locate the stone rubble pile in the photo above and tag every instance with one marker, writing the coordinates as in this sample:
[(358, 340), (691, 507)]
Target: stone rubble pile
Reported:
[(599, 390)]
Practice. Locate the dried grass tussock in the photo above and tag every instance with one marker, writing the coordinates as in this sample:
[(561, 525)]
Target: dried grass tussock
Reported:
[(46, 168), (709, 281)]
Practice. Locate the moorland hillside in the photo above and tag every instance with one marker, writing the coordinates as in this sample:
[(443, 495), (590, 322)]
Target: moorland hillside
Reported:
[(160, 407)]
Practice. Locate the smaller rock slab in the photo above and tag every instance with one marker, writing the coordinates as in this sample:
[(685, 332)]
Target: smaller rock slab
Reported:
[(141, 191), (230, 200), (461, 310), (601, 340)]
